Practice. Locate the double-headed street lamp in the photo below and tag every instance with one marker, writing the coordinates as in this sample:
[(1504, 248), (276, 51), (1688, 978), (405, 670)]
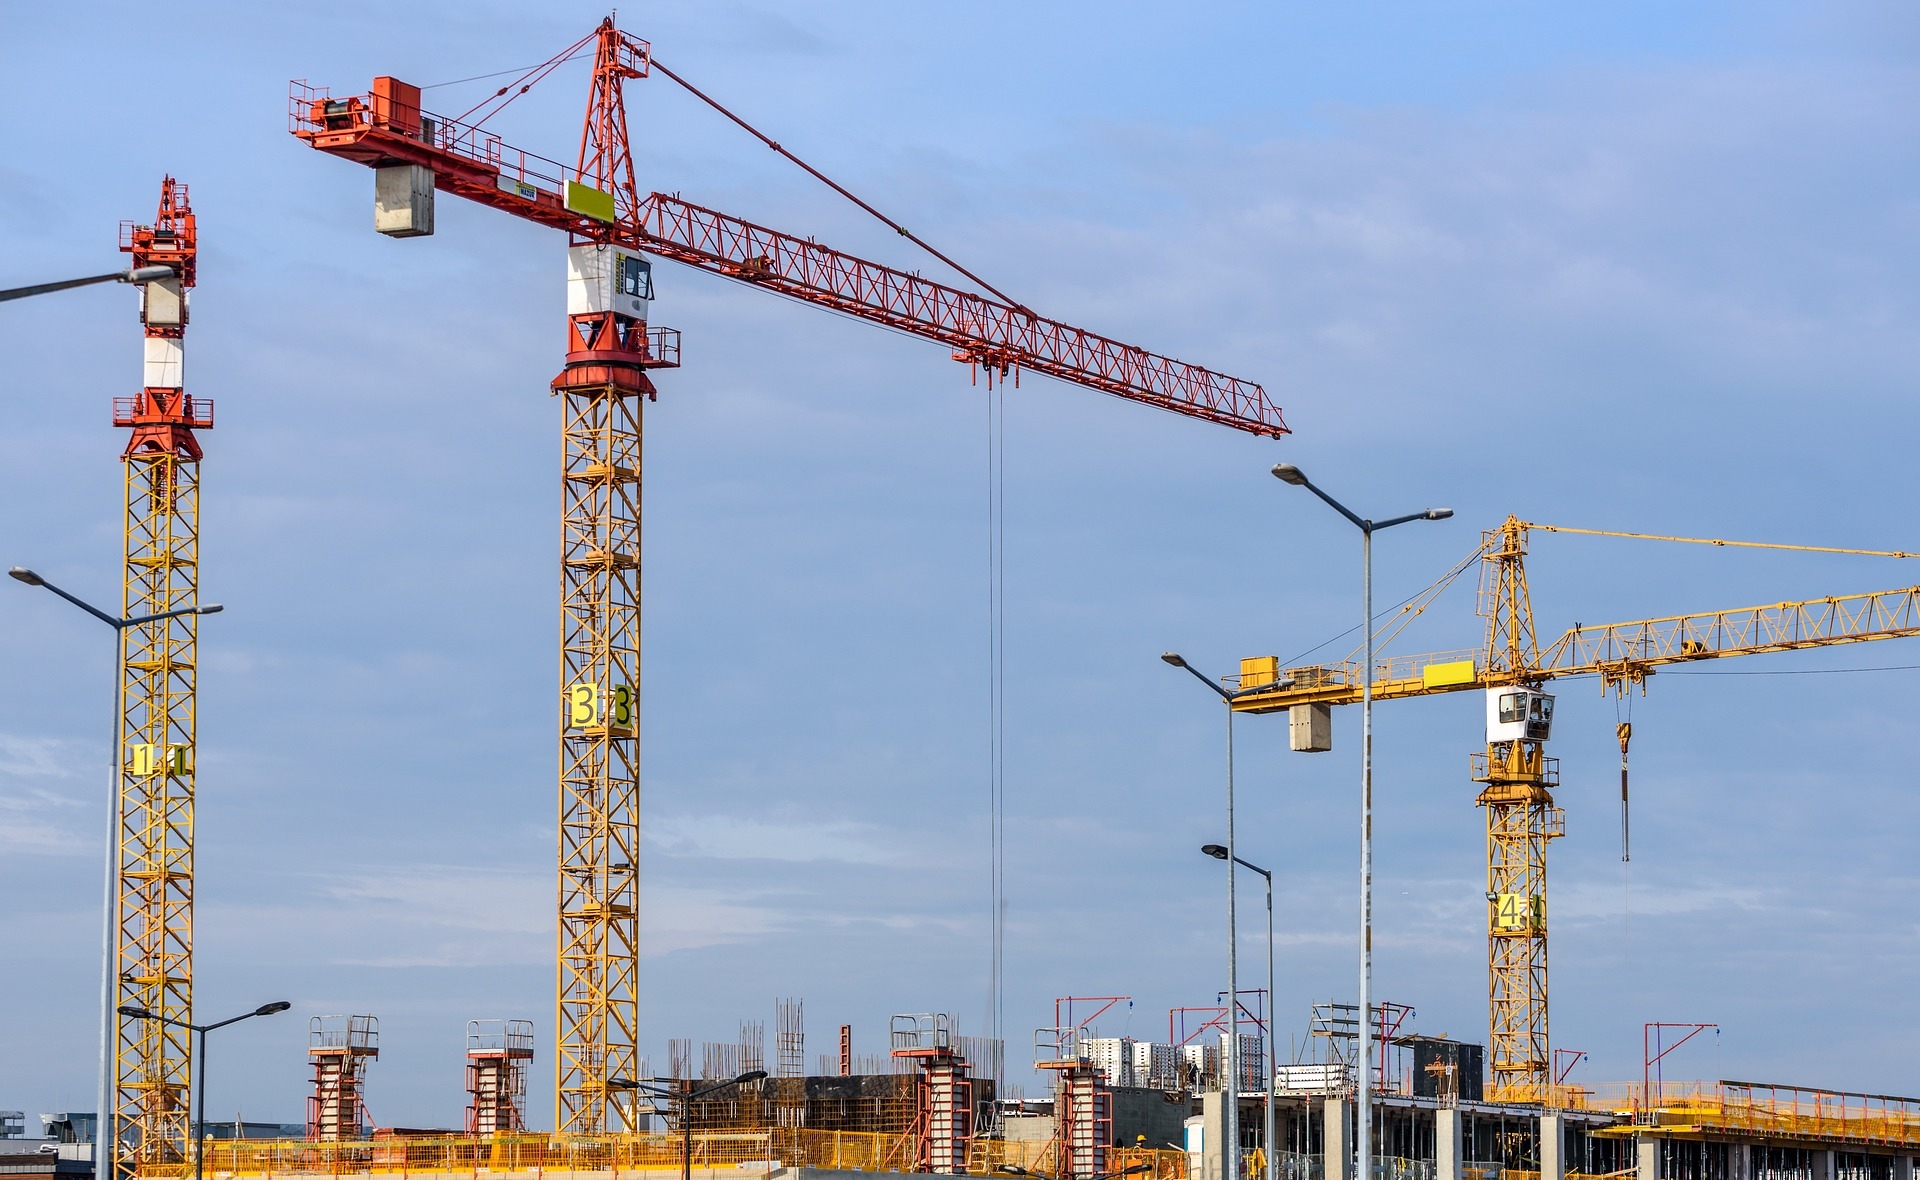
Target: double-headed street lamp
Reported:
[(106, 1134), (139, 274), (685, 1098), (135, 1012), (1231, 1158), (1289, 474), (1221, 852)]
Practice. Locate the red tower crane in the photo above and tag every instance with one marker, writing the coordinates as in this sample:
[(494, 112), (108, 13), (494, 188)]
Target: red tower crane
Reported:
[(611, 348)]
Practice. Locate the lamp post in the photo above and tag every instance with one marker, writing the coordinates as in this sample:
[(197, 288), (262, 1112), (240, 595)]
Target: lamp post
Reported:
[(134, 1012), (1230, 1159), (139, 274), (1289, 474), (106, 1125), (1220, 852), (686, 1098)]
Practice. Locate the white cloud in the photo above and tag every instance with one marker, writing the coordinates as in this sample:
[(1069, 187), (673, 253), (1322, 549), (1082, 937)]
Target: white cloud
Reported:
[(34, 817), (734, 837)]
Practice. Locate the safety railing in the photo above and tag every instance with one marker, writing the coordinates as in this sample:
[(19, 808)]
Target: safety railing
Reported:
[(775, 1147), (141, 410), (1766, 1110), (1161, 1164), (312, 110), (731, 1152)]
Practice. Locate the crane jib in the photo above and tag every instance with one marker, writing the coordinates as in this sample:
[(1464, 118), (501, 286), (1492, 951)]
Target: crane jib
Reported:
[(474, 164)]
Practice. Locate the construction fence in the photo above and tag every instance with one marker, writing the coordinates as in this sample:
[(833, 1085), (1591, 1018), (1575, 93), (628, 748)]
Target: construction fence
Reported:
[(736, 1152)]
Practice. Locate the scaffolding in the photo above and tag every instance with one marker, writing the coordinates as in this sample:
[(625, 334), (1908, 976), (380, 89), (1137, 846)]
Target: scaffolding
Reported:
[(340, 1048), (943, 1091), (1083, 1118), (497, 1055)]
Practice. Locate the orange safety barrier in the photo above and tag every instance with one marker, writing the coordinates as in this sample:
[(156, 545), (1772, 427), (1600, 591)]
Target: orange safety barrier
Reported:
[(737, 1152)]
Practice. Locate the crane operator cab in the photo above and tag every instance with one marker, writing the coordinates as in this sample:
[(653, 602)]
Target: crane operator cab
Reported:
[(1519, 714), (604, 278)]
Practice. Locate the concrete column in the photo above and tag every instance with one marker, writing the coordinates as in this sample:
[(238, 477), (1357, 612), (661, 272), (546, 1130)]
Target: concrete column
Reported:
[(1740, 1161), (1902, 1168), (1213, 1136), (1553, 1147), (1336, 1117), (1449, 1143), (1647, 1158), (1823, 1165)]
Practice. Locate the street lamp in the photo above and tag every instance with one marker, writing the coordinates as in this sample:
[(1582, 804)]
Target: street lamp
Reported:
[(1220, 852), (1231, 1158), (1287, 473), (106, 1133), (135, 1012), (139, 274), (686, 1098)]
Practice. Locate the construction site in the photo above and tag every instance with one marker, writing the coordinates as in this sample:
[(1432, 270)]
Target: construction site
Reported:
[(1236, 1090)]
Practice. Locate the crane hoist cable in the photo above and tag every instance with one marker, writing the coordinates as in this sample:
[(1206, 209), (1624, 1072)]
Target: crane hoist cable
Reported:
[(823, 178), (532, 75)]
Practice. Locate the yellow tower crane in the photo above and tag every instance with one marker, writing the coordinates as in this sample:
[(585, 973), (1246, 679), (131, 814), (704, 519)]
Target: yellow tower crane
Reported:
[(1517, 778), (146, 1128)]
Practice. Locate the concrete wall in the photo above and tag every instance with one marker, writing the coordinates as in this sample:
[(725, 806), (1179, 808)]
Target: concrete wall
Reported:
[(1027, 1128), (1159, 1116)]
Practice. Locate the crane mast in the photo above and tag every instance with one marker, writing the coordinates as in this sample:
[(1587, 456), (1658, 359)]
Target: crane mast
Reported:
[(157, 727), (602, 389), (611, 349), (1517, 794), (1517, 777)]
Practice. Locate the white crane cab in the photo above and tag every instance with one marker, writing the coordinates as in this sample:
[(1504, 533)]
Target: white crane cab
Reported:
[(608, 278), (1519, 714)]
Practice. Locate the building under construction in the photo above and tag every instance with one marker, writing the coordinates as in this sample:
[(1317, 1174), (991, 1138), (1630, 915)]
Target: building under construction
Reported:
[(935, 1102), (932, 1105)]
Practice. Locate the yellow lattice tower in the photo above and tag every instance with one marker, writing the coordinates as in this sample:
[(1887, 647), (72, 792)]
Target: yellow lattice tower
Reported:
[(154, 957), (599, 751), (1521, 818), (609, 350)]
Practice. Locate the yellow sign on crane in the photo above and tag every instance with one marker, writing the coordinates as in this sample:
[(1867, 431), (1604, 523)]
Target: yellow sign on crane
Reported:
[(1516, 775)]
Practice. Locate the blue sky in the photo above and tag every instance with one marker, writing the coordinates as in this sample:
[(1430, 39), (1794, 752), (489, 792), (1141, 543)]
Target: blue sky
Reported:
[(1629, 266)]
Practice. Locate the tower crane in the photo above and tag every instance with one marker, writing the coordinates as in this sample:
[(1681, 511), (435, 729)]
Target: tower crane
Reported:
[(613, 233), (153, 960), (1516, 776)]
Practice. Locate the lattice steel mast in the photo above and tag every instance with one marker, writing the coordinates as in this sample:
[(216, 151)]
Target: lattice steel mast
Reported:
[(154, 957), (602, 389), (1521, 818)]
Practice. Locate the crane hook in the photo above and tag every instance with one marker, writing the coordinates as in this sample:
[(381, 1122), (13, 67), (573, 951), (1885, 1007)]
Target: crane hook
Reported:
[(1624, 730)]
